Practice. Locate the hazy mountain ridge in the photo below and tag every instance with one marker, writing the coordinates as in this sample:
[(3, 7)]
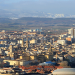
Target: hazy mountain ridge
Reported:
[(5, 13)]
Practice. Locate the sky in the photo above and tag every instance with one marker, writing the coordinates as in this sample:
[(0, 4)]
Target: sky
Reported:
[(47, 6)]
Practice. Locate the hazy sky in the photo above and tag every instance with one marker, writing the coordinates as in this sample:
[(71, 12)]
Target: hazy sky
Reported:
[(48, 6)]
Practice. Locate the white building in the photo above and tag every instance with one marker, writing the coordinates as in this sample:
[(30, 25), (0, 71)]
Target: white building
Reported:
[(62, 42), (72, 32), (33, 41), (69, 31), (24, 63)]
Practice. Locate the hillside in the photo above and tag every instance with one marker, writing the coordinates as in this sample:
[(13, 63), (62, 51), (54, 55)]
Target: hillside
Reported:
[(33, 22)]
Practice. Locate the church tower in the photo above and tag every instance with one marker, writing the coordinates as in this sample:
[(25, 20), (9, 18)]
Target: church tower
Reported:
[(53, 40), (11, 48), (50, 49), (27, 43), (22, 42)]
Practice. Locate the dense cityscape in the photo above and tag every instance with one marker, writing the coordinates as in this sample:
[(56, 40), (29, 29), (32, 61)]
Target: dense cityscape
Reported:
[(35, 52), (37, 37)]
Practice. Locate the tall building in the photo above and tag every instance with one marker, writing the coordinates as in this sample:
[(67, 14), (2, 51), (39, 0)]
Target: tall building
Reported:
[(72, 32), (69, 31)]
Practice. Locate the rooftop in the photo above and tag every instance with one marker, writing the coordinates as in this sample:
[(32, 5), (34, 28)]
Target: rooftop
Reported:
[(64, 71)]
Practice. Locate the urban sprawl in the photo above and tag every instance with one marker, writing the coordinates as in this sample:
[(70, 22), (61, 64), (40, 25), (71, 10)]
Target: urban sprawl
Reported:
[(35, 52)]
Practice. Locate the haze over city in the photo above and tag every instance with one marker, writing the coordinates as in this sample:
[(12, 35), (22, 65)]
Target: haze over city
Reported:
[(37, 8)]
